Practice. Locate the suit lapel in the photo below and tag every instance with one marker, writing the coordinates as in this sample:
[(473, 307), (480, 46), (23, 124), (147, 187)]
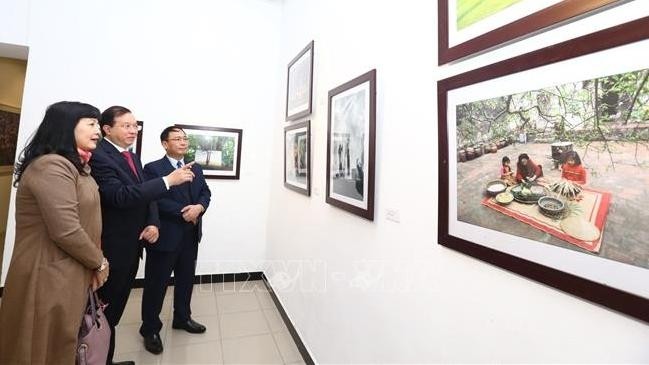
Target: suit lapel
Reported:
[(190, 189), (183, 189), (165, 166), (138, 166), (117, 157), (186, 191)]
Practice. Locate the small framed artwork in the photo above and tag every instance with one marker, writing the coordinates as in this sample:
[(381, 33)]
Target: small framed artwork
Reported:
[(351, 133), (467, 27), (137, 146), (544, 163), (297, 157), (217, 150), (9, 122), (299, 84)]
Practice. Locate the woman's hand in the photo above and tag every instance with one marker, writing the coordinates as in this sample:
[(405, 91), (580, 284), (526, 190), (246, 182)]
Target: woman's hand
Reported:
[(99, 278)]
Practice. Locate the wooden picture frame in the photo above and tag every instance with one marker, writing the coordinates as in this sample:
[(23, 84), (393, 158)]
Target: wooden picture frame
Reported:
[(351, 145), (545, 17), (297, 157), (217, 150), (619, 286), (299, 84)]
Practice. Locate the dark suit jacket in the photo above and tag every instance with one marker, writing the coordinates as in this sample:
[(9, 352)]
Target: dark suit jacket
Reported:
[(127, 203), (172, 224)]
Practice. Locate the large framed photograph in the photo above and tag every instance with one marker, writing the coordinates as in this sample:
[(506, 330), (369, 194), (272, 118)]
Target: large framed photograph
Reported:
[(137, 146), (544, 163), (299, 84), (297, 157), (351, 143), (466, 27), (217, 150)]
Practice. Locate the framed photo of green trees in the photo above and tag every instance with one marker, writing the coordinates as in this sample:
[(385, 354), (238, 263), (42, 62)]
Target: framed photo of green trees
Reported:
[(467, 27), (217, 150), (544, 166)]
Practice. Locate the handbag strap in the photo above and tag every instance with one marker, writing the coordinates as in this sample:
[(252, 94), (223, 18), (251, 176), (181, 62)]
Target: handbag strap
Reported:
[(94, 299)]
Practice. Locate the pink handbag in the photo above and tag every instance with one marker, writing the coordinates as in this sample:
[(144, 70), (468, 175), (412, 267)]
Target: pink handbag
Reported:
[(94, 334)]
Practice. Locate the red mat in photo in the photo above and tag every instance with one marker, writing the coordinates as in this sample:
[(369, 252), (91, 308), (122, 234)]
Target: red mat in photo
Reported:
[(593, 207)]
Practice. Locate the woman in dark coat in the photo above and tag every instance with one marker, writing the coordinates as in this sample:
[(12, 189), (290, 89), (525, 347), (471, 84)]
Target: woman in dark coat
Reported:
[(56, 255)]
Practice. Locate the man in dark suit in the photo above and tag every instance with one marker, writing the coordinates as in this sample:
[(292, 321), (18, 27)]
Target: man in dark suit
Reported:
[(181, 210), (129, 211)]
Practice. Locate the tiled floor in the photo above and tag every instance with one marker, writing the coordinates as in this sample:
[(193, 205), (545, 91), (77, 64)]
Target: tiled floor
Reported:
[(243, 327)]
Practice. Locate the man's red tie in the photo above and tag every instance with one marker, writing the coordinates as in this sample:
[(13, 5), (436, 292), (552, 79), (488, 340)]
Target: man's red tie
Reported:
[(129, 160)]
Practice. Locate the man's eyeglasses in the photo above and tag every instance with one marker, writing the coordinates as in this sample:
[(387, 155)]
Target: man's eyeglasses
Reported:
[(178, 139), (128, 126)]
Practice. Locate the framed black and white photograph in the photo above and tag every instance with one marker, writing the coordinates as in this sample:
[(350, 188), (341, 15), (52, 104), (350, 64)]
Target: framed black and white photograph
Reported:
[(217, 150), (467, 27), (137, 146), (351, 134), (297, 157), (544, 163), (299, 84)]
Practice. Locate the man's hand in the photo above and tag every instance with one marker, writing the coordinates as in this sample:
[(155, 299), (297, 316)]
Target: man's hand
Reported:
[(150, 234), (181, 175), (191, 212)]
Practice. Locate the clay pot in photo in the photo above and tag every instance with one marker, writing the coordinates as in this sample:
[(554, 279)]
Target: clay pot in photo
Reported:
[(461, 156)]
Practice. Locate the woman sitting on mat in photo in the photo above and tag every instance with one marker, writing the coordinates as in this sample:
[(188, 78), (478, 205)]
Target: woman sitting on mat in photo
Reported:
[(572, 168), (527, 170)]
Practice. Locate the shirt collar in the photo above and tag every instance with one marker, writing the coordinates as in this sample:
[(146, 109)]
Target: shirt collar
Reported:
[(119, 148), (174, 162)]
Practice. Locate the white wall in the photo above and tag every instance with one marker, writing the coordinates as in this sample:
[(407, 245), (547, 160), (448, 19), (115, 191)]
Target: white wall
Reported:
[(363, 292), (211, 63), (14, 15)]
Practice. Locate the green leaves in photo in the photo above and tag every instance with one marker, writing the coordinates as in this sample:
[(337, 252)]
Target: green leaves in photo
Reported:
[(604, 111), (472, 11), (225, 144)]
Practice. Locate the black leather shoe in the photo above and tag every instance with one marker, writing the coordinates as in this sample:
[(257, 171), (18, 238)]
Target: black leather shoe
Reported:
[(153, 343), (190, 326), (123, 363)]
